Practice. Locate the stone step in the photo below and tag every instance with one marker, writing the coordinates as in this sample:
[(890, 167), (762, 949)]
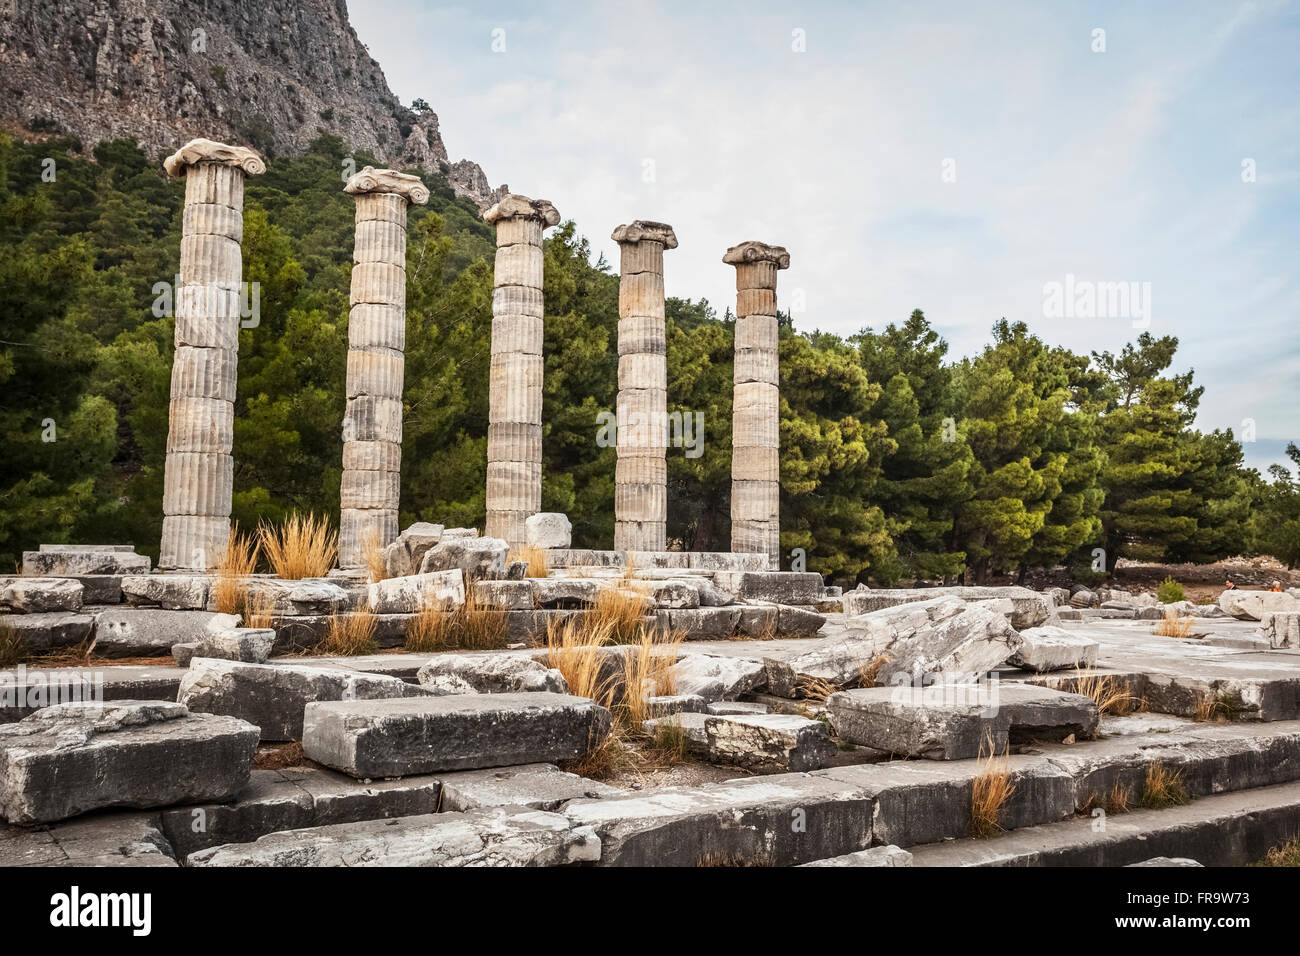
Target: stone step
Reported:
[(101, 839), (394, 738), (489, 837), (1231, 829), (26, 689)]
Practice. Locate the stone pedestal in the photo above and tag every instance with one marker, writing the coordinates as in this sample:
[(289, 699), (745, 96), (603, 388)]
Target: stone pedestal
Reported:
[(756, 417), (199, 473), (641, 475), (514, 451), (372, 424)]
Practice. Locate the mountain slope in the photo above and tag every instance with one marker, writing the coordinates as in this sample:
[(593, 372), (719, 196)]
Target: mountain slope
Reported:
[(271, 74)]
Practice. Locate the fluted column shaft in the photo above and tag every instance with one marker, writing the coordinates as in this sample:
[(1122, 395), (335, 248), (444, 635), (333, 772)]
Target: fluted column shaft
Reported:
[(756, 418), (514, 448), (198, 476), (641, 474), (372, 422)]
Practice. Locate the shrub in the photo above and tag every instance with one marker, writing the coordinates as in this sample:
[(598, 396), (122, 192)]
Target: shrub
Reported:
[(1170, 592)]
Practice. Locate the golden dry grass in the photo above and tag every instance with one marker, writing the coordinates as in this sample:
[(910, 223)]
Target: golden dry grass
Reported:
[(303, 547), (259, 609), (372, 553), (1288, 854), (1118, 800), (647, 672), (572, 650), (351, 633), (1208, 707), (990, 792), (1109, 695), (1163, 788), (815, 689), (536, 558), (234, 572), (870, 672), (1171, 625), (618, 613), (669, 741), (13, 649)]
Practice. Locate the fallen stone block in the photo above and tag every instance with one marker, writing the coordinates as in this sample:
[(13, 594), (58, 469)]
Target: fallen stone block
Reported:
[(876, 856), (768, 742), (274, 697), (107, 559), (717, 678), (1281, 628), (250, 645), (1040, 714), (705, 623), (489, 837), (1253, 605), (539, 786), (567, 592), (489, 674), (724, 708), (674, 594), (727, 561), (548, 529), (667, 705), (691, 726), (908, 642), (408, 594), (172, 592), (51, 631), (106, 839), (394, 738), (477, 558), (750, 820), (40, 595), (1053, 648), (151, 632), (798, 622), (778, 587), (937, 722), (404, 555), (1028, 608), (504, 595), (71, 758), (305, 597)]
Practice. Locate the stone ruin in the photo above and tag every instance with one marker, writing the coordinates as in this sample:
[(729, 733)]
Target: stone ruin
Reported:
[(879, 716)]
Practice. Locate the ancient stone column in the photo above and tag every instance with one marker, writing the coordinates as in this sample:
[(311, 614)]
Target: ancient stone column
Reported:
[(514, 452), (756, 419), (199, 472), (372, 423), (641, 475)]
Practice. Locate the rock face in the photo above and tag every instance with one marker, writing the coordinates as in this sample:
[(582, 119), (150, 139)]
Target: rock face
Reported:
[(1028, 608), (716, 678), (151, 632), (171, 592), (1281, 628), (274, 696), (490, 837), (1253, 605), (271, 76), (478, 558), (406, 595), (395, 738), (250, 645), (493, 674), (780, 742), (71, 758), (549, 529), (41, 595)]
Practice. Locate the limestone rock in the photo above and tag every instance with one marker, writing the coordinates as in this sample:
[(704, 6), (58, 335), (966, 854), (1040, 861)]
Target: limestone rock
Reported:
[(406, 595), (64, 561), (1281, 628), (75, 757), (41, 595), (477, 557), (404, 555), (171, 592), (1253, 605), (1053, 648), (151, 632), (489, 674), (273, 696), (717, 678), (394, 738), (763, 742), (1027, 608), (250, 645), (876, 856), (549, 529)]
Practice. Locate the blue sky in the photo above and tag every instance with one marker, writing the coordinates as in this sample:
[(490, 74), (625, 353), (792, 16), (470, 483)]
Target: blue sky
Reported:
[(1117, 166)]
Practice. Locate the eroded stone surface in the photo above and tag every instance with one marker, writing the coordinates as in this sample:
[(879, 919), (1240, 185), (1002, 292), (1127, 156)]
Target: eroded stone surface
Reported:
[(489, 674)]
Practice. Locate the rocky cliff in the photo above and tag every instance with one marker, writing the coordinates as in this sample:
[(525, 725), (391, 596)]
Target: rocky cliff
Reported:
[(271, 74)]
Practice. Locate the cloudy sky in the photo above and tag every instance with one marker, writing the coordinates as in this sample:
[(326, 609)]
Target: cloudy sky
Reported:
[(952, 157)]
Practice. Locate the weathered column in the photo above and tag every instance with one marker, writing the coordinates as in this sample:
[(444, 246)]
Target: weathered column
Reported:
[(372, 423), (641, 474), (514, 451), (756, 417), (199, 473)]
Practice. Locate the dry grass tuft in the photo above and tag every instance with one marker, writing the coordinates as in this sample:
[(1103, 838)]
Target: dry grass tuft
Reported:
[(13, 648), (1173, 626), (815, 689), (1208, 707), (1163, 788), (647, 672), (1109, 695), (869, 673), (303, 547), (618, 613), (990, 792), (1288, 854), (351, 633), (669, 741), (259, 609), (470, 626), (536, 558), (234, 572), (372, 553), (571, 650), (279, 756), (734, 860), (1119, 798)]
